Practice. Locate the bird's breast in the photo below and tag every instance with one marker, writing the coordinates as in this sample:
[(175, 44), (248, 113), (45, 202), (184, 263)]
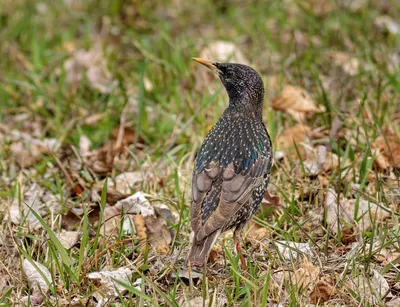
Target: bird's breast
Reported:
[(238, 139)]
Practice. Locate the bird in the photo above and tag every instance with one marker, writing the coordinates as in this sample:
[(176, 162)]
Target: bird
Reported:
[(232, 168)]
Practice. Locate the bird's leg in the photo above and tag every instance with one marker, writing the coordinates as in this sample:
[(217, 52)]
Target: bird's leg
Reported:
[(236, 239)]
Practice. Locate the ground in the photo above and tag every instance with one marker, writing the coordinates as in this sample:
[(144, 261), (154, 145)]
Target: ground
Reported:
[(102, 112)]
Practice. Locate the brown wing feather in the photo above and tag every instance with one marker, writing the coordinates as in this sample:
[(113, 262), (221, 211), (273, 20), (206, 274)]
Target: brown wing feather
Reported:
[(202, 186), (236, 191)]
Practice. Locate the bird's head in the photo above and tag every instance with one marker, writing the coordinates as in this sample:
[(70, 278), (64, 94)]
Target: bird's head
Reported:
[(242, 83)]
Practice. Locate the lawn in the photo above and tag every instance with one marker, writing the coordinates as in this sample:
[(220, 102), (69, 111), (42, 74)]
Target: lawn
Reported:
[(102, 112)]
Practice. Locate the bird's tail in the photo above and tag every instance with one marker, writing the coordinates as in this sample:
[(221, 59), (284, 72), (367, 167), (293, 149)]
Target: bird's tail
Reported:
[(200, 250)]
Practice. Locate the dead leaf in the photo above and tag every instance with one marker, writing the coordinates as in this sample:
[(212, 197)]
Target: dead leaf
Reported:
[(370, 288), (394, 302), (40, 200), (92, 64), (69, 239), (381, 162), (344, 212), (327, 160), (293, 250), (113, 152), (149, 226), (196, 302), (136, 204), (297, 102), (256, 232), (388, 146), (108, 279), (349, 235), (349, 64), (158, 234), (291, 138), (306, 275), (271, 201), (27, 149), (387, 23), (321, 293), (140, 229), (37, 274)]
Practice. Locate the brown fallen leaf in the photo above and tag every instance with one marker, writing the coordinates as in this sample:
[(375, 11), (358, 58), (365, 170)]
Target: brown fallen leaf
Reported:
[(306, 275), (349, 235), (295, 101), (292, 137), (140, 229), (256, 233), (388, 146), (322, 292), (158, 234)]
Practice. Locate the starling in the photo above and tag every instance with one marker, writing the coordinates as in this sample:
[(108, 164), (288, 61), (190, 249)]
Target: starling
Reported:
[(233, 165)]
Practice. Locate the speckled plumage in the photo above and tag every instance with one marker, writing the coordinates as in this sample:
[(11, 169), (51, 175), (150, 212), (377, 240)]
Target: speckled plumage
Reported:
[(232, 167)]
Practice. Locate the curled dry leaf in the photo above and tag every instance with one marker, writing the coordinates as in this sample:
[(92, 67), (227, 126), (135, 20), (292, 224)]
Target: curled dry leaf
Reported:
[(92, 64), (220, 51), (322, 292), (69, 239), (295, 101), (108, 279), (306, 275), (293, 250), (368, 212), (38, 278)]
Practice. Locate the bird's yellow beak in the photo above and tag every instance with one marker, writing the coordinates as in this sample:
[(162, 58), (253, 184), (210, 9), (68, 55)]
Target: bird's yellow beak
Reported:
[(207, 63)]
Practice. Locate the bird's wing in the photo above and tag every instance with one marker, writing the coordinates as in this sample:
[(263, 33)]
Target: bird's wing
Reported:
[(224, 192)]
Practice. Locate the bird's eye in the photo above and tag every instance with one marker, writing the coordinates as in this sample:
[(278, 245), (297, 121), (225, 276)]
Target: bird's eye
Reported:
[(228, 73)]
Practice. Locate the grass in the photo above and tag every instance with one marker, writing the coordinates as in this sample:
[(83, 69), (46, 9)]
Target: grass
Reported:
[(146, 50)]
